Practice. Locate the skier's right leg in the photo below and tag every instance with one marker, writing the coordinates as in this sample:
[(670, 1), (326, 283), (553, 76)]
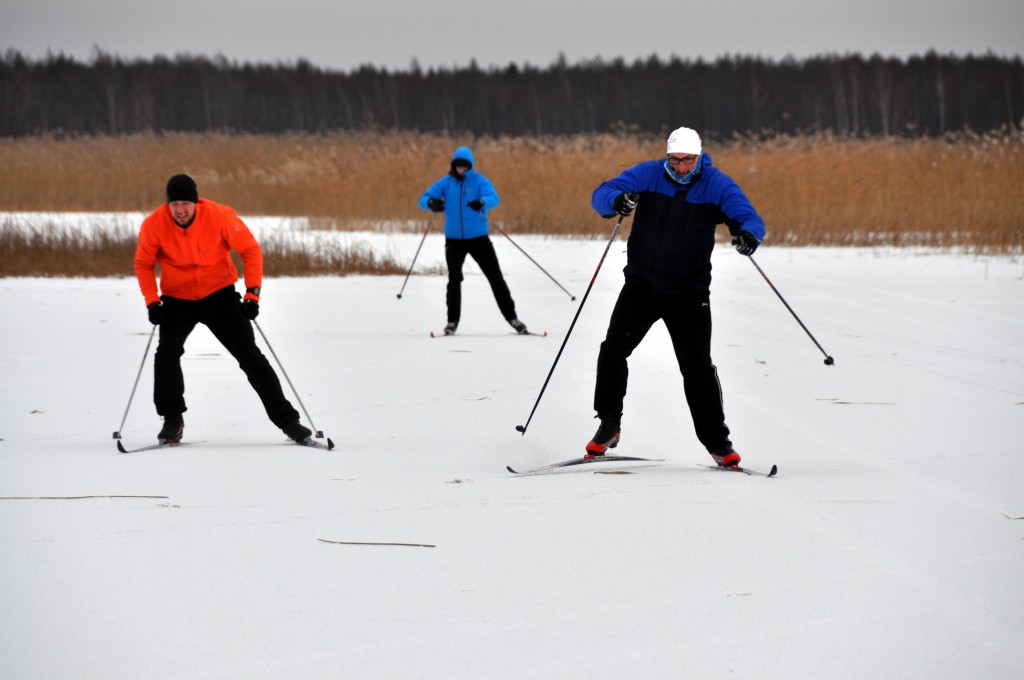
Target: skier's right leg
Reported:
[(454, 257), (168, 381), (632, 317)]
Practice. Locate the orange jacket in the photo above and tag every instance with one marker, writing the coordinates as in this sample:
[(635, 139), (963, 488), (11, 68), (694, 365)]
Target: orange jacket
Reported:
[(195, 261)]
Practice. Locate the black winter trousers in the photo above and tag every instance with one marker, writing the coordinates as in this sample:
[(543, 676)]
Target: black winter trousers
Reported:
[(221, 312), (482, 250), (687, 317)]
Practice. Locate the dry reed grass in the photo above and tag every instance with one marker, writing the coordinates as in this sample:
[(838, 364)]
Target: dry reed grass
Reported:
[(52, 250), (964, 190)]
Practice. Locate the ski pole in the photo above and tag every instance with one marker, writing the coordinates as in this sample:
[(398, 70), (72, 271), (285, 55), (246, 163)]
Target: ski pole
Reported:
[(522, 428), (425, 232), (829, 361), (319, 434), (117, 434), (534, 261)]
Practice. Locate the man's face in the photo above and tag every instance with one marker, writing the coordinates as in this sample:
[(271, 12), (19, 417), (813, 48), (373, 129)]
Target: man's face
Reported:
[(682, 162), (183, 212)]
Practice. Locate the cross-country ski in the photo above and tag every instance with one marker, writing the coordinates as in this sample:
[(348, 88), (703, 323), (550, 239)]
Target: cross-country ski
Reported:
[(312, 443), (745, 470), (154, 447), (442, 334), (579, 463)]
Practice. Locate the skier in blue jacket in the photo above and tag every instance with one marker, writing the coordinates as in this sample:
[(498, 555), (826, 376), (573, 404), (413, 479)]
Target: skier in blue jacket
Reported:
[(679, 201), (465, 196)]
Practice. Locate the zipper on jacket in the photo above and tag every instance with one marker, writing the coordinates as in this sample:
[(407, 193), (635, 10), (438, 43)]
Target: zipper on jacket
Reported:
[(462, 229)]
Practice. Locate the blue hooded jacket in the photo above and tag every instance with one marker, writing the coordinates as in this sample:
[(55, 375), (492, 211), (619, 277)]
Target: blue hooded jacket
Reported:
[(673, 230), (461, 221)]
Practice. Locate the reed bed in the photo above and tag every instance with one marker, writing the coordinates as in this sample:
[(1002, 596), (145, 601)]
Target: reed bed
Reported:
[(963, 190), (54, 250)]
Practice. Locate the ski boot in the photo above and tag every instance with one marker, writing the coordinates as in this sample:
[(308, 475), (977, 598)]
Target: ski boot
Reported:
[(450, 327), (519, 326), (297, 432), (725, 456), (174, 427), (606, 437)]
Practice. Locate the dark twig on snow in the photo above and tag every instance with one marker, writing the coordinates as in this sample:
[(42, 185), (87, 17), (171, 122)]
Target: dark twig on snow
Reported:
[(66, 498), (411, 545)]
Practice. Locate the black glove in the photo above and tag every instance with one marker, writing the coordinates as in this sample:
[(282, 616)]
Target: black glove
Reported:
[(156, 313), (624, 203), (250, 309), (476, 205), (745, 243), (436, 204)]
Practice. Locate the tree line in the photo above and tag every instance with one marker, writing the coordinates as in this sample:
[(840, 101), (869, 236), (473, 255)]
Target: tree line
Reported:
[(927, 95)]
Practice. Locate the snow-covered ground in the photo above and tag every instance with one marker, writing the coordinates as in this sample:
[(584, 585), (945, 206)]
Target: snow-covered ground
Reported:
[(890, 545)]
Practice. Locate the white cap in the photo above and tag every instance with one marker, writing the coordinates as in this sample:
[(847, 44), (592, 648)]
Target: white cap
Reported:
[(684, 140)]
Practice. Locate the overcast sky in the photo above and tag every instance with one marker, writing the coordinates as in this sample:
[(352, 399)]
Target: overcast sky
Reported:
[(343, 34)]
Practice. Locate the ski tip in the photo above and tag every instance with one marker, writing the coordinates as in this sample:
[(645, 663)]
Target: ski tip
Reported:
[(509, 468), (330, 444), (773, 471), (120, 447), (432, 334)]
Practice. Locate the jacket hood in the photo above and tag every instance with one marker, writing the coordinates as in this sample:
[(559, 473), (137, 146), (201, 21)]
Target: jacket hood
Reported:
[(464, 153)]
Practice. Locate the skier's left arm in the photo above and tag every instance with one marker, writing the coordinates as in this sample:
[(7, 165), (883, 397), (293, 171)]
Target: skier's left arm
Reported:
[(488, 194), (740, 215), (244, 243)]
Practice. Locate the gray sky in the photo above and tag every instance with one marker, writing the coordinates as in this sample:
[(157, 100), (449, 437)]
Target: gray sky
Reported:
[(340, 34)]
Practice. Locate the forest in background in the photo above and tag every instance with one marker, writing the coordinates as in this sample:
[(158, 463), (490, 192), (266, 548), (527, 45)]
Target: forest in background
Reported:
[(850, 95), (834, 150)]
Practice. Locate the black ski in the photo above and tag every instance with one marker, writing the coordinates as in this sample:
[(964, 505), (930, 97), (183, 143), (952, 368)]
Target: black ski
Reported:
[(542, 334), (313, 443), (747, 471), (576, 462), (152, 447)]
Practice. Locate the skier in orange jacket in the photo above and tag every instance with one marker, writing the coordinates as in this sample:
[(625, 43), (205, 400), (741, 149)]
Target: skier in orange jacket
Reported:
[(191, 238)]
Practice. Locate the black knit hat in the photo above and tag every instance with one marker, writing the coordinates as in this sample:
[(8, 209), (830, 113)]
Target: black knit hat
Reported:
[(182, 188)]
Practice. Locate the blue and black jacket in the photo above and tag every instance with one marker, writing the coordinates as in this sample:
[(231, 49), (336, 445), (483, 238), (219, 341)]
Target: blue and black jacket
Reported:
[(673, 232), (461, 221)]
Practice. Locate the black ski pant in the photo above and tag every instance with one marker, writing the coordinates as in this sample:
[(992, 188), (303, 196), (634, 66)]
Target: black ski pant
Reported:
[(687, 317), (482, 250), (221, 312)]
